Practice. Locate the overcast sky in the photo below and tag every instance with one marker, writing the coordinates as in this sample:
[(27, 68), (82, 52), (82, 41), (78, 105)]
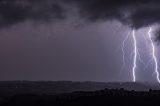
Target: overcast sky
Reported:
[(75, 40)]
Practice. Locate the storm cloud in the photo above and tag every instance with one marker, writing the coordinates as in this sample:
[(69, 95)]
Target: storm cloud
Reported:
[(134, 13), (16, 11)]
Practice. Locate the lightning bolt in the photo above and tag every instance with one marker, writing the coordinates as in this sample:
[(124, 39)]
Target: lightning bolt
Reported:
[(153, 54), (135, 56), (135, 53), (123, 49)]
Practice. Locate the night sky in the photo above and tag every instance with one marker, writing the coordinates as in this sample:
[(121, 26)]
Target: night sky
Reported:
[(77, 40)]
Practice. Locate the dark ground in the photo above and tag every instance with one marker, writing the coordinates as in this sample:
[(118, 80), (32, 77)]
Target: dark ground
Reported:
[(105, 97), (75, 94)]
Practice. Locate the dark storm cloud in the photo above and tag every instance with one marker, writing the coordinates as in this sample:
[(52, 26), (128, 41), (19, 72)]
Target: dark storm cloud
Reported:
[(15, 11), (134, 13)]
